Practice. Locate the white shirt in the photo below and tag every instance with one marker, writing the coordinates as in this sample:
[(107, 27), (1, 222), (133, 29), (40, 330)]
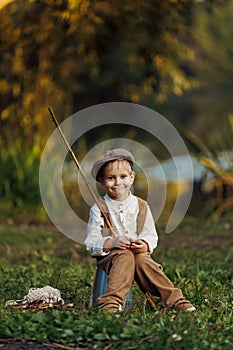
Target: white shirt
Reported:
[(123, 216)]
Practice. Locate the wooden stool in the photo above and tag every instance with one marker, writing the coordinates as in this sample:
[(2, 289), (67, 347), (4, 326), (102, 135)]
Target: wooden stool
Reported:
[(99, 288)]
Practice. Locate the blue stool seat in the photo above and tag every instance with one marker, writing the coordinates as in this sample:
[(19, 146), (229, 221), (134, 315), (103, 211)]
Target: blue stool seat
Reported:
[(100, 285)]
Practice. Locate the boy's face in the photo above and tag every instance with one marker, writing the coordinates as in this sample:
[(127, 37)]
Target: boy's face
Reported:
[(117, 180)]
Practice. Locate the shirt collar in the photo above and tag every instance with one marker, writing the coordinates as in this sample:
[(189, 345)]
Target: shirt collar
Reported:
[(117, 203)]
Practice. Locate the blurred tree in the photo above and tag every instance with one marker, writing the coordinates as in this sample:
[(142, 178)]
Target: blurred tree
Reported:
[(28, 69), (71, 54), (209, 107), (4, 3), (213, 35), (135, 49)]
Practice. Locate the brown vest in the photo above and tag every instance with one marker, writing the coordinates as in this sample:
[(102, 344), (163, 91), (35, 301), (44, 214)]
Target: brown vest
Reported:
[(141, 217)]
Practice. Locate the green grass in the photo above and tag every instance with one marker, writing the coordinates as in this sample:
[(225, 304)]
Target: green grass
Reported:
[(198, 258)]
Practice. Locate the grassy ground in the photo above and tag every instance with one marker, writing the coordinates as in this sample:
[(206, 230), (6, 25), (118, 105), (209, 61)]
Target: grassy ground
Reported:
[(197, 257)]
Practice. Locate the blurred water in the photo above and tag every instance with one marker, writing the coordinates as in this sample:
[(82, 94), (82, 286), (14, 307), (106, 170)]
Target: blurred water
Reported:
[(224, 160), (170, 170)]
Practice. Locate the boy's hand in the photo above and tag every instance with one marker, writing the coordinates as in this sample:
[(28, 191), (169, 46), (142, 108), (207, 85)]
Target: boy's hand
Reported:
[(139, 246), (121, 242)]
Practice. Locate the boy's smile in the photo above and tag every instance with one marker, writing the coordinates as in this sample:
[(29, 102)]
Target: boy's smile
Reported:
[(117, 180)]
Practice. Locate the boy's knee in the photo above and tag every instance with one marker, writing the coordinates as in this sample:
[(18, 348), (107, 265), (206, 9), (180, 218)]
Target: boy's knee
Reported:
[(139, 258), (145, 259), (124, 255)]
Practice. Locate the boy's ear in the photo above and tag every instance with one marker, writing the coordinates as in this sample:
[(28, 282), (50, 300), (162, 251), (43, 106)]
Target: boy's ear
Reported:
[(132, 176)]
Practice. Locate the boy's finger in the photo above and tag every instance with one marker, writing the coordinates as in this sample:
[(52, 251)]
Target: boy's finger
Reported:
[(137, 244)]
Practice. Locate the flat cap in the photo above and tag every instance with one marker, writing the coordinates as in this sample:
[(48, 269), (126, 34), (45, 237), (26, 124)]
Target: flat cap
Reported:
[(108, 156)]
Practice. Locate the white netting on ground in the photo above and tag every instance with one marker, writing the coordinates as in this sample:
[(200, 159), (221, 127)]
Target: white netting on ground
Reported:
[(46, 296)]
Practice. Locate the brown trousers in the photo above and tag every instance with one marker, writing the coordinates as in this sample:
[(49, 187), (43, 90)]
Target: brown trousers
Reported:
[(124, 266)]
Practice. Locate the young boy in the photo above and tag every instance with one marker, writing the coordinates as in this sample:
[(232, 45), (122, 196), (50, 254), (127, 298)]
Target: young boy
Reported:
[(126, 256)]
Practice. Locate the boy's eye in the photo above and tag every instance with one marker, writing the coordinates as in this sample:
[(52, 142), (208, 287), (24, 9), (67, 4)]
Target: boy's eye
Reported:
[(110, 177)]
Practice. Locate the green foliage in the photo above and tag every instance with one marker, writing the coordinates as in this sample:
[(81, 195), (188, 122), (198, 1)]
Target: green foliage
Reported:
[(214, 34), (74, 54), (19, 188), (211, 104), (196, 257), (205, 109)]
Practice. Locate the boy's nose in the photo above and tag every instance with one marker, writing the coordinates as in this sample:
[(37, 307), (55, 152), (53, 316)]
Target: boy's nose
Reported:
[(117, 180)]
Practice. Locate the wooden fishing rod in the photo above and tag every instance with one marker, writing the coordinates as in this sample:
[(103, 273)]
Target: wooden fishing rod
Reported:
[(148, 296), (82, 173)]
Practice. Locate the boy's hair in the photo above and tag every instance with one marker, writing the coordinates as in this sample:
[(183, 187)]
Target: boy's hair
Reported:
[(109, 156), (129, 166)]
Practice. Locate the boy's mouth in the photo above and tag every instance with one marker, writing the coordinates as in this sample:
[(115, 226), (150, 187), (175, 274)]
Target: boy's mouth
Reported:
[(118, 188)]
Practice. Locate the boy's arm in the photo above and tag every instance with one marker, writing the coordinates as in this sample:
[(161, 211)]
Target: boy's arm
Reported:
[(149, 234), (94, 240)]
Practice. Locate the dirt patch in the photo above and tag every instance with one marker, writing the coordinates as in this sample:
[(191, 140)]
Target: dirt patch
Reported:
[(11, 344)]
